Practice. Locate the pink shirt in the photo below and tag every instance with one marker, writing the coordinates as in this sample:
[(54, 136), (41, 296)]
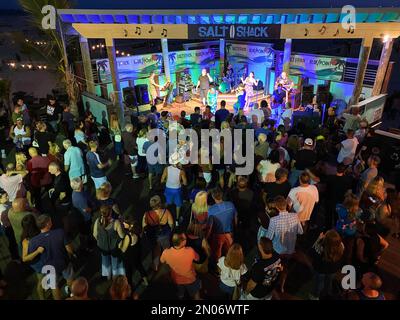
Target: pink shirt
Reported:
[(303, 200)]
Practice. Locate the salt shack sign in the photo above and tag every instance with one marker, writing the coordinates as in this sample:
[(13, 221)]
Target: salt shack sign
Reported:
[(233, 31)]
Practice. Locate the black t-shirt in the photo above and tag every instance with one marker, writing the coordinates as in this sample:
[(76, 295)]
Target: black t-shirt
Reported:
[(61, 184), (53, 111), (273, 189), (305, 159), (195, 118), (265, 273), (322, 266), (43, 139), (337, 187)]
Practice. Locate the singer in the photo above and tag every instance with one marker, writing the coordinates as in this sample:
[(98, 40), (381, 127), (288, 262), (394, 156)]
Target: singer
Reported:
[(249, 82)]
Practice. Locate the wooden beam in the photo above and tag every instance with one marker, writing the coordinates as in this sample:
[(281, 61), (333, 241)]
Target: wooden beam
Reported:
[(365, 50), (336, 31), (383, 64), (87, 65), (132, 31)]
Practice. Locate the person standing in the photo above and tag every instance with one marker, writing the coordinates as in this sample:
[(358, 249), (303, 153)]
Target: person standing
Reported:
[(153, 88), (212, 98), (115, 133), (303, 198), (222, 220), (221, 115), (249, 82), (12, 182), (108, 233), (264, 273), (368, 174), (15, 215), (53, 113), (303, 159), (130, 148), (180, 259), (73, 161), (348, 148), (174, 178), (96, 167), (56, 252), (68, 121), (204, 84)]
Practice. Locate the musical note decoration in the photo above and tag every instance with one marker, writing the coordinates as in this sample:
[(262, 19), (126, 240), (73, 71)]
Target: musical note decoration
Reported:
[(164, 33), (151, 29), (306, 32), (125, 32), (336, 33), (350, 30), (322, 30), (138, 31)]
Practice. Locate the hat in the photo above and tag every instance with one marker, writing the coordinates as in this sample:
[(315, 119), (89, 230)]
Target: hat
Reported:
[(308, 142), (19, 119)]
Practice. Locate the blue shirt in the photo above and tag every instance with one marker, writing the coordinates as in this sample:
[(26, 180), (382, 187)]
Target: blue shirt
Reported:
[(345, 226), (92, 161), (222, 216), (54, 253), (73, 159), (220, 116), (81, 201)]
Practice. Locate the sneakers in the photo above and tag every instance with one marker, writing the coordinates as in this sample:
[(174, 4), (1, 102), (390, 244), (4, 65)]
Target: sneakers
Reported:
[(3, 154), (135, 176)]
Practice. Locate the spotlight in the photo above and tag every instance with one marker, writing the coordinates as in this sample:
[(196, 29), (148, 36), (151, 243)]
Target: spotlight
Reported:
[(122, 53), (93, 47), (45, 67), (98, 46), (117, 52)]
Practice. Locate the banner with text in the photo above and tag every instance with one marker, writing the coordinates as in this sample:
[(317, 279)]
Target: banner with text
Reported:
[(312, 66), (234, 31)]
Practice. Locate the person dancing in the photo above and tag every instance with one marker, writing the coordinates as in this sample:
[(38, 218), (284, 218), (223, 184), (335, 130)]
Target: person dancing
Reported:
[(249, 82)]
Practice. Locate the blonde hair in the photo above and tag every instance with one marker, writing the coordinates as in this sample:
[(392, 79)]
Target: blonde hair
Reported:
[(200, 202), (376, 186), (104, 192), (114, 124), (20, 161), (234, 258), (225, 125)]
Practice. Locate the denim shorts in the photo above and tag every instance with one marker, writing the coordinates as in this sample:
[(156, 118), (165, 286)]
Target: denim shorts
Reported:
[(173, 196), (191, 289)]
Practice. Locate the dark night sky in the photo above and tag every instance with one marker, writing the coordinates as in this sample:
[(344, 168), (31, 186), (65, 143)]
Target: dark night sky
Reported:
[(199, 4)]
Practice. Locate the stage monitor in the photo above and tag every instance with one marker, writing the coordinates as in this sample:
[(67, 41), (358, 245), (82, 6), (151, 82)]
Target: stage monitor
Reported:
[(371, 109)]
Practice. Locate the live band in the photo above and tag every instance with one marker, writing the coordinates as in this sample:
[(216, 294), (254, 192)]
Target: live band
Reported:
[(206, 88)]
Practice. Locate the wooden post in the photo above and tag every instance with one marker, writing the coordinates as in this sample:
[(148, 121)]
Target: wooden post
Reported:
[(221, 57), (286, 56), (87, 65), (382, 68), (165, 54), (115, 80), (365, 50)]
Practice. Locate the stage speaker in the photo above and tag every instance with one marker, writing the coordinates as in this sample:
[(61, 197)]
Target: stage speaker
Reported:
[(323, 95), (129, 95), (142, 94), (307, 94)]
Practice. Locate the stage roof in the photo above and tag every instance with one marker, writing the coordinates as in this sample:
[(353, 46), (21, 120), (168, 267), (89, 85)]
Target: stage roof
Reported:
[(228, 16)]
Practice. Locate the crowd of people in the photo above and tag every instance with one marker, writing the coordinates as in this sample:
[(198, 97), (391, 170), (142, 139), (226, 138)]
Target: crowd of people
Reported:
[(313, 191)]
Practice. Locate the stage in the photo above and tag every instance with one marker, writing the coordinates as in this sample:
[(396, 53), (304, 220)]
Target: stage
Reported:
[(176, 108)]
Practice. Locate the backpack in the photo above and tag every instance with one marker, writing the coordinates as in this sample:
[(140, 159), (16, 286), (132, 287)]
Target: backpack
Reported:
[(107, 239)]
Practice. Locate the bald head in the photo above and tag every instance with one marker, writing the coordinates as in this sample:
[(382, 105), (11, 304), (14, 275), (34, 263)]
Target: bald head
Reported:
[(80, 287), (33, 152), (19, 204)]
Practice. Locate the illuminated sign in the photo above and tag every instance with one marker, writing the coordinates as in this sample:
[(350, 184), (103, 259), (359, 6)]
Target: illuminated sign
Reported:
[(234, 31)]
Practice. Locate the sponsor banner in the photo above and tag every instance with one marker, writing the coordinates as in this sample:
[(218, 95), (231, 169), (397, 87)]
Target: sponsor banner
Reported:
[(311, 66), (234, 31), (140, 66)]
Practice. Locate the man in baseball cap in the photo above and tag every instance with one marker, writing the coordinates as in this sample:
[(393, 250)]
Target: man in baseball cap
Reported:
[(304, 158)]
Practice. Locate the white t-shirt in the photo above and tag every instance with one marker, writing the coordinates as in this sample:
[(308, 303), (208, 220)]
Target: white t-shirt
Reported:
[(348, 149), (257, 112), (228, 276), (304, 199), (11, 185), (286, 114), (268, 168), (140, 142)]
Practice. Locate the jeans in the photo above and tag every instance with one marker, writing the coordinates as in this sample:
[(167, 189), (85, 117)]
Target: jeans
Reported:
[(111, 266)]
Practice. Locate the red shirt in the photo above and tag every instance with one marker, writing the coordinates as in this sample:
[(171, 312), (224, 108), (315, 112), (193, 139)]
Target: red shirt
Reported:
[(181, 263), (38, 168)]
